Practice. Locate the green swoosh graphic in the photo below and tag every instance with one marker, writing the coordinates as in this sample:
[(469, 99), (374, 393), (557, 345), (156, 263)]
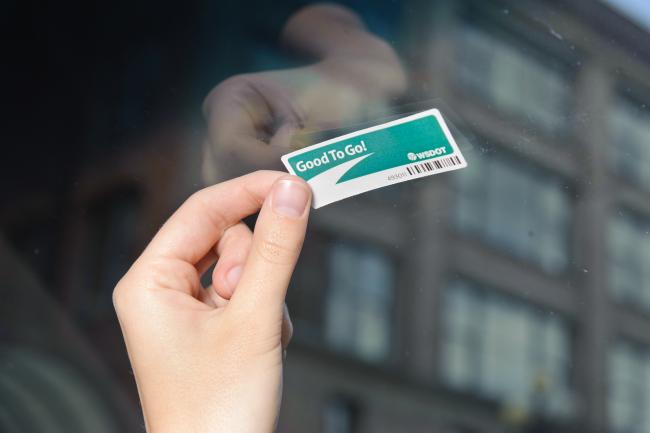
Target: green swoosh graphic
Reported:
[(389, 147)]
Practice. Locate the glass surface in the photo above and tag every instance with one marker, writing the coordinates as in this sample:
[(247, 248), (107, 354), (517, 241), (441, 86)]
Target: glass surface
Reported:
[(630, 129), (516, 208), (359, 299), (506, 350), (512, 295), (507, 75), (629, 246), (629, 392)]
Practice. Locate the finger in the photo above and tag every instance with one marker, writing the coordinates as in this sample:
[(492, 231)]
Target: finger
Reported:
[(245, 114), (199, 223), (287, 328), (209, 297), (235, 106), (277, 240), (204, 296), (233, 249), (204, 263), (282, 137), (254, 105)]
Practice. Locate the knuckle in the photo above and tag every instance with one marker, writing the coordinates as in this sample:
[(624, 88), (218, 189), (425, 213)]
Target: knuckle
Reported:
[(118, 297), (134, 291), (234, 83), (122, 297), (197, 197), (194, 201), (201, 203), (236, 239), (228, 87), (172, 274), (276, 251)]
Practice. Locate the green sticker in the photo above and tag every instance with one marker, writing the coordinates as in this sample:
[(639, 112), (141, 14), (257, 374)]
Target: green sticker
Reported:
[(411, 147)]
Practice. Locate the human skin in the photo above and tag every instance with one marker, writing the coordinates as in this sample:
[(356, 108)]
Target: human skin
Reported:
[(210, 359), (353, 76)]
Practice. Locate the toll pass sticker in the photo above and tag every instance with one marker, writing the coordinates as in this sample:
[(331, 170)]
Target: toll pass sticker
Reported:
[(408, 148)]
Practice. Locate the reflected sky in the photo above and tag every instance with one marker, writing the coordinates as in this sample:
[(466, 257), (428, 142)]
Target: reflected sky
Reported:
[(637, 10)]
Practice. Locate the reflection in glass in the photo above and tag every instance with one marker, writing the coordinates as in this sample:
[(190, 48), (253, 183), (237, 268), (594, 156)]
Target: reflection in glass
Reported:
[(515, 207), (629, 252), (339, 416), (629, 388), (40, 393), (629, 123), (501, 71), (358, 301), (506, 350)]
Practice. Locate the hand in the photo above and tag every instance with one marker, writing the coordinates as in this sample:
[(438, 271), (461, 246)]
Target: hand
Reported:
[(252, 117), (210, 360)]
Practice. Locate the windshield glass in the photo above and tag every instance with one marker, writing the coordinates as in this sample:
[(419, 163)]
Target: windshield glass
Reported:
[(510, 295)]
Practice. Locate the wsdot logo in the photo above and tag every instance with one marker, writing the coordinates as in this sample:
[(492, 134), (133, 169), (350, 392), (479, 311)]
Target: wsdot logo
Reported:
[(427, 153)]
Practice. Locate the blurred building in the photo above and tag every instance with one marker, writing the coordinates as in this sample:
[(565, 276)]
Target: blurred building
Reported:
[(510, 296)]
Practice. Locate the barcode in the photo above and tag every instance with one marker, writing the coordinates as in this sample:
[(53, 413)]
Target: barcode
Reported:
[(434, 165)]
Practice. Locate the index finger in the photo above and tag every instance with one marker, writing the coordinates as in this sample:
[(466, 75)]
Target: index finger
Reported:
[(193, 230)]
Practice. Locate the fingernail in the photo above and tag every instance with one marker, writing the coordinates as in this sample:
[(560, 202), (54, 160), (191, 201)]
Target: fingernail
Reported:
[(233, 276), (289, 198)]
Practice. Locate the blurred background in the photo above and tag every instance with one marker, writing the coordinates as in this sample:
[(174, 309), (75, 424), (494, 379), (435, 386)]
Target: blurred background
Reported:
[(513, 295)]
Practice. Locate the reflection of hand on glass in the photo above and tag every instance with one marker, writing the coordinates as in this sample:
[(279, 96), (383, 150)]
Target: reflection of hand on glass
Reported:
[(210, 359), (251, 117)]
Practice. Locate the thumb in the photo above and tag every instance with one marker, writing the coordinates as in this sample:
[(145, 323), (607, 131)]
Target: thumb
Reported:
[(277, 241)]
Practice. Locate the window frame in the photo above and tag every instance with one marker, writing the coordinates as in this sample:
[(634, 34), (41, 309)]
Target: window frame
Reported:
[(532, 41), (536, 321), (537, 174)]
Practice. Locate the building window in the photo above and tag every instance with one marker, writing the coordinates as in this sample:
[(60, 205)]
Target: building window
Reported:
[(629, 124), (341, 296), (514, 206), (504, 349), (629, 388), (629, 253), (358, 301), (340, 416), (505, 73), (306, 294)]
